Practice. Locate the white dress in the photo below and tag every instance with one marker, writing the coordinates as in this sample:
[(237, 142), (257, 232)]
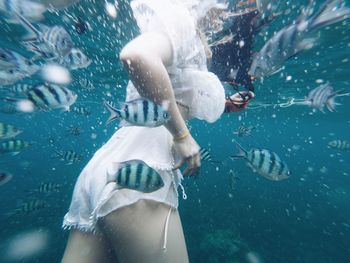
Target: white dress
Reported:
[(193, 85)]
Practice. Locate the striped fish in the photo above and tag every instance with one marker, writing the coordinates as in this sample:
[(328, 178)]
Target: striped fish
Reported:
[(32, 11), (8, 131), (322, 96), (340, 145), (5, 177), (11, 76), (86, 84), (45, 188), (20, 89), (28, 207), (49, 42), (7, 59), (139, 112), (243, 131), (74, 130), (266, 163), (13, 146), (298, 36), (51, 96), (206, 156), (75, 59), (81, 110), (70, 157), (136, 175)]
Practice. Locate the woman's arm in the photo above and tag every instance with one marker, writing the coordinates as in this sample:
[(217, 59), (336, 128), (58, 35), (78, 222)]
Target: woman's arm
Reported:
[(145, 58)]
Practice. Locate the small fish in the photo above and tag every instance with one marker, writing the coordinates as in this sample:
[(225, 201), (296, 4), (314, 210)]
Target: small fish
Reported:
[(5, 177), (322, 96), (86, 84), (20, 89), (340, 145), (298, 36), (7, 59), (23, 68), (136, 175), (11, 76), (81, 110), (13, 146), (81, 26), (28, 207), (206, 156), (75, 59), (74, 130), (70, 157), (139, 112), (266, 163), (49, 96), (243, 131), (32, 11), (8, 131), (46, 188), (49, 42)]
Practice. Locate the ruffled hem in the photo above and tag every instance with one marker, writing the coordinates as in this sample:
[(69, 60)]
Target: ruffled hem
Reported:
[(91, 227)]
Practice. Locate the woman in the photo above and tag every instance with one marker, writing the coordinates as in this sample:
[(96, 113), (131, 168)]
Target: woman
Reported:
[(167, 62)]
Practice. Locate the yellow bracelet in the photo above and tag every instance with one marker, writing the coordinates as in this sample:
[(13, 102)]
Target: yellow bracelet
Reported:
[(183, 136)]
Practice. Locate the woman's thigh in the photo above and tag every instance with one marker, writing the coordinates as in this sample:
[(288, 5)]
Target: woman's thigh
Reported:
[(87, 248), (136, 233)]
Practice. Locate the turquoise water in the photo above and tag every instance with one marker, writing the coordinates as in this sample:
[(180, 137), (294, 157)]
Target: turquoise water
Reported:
[(302, 219)]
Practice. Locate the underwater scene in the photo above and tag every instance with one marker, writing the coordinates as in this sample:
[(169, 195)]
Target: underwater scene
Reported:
[(274, 182)]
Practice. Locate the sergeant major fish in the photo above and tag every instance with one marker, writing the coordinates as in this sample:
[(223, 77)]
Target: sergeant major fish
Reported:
[(70, 157), (244, 131), (28, 207), (75, 59), (136, 175), (7, 59), (266, 163), (321, 96), (45, 188), (49, 42), (13, 146), (340, 145), (296, 37), (32, 11), (206, 156), (8, 131), (48, 96), (5, 177), (140, 112)]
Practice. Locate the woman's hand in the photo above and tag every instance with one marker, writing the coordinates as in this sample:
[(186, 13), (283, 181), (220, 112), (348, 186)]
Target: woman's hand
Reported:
[(238, 101), (188, 149)]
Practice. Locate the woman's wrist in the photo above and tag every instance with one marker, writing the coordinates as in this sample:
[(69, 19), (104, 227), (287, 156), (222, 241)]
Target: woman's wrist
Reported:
[(182, 136)]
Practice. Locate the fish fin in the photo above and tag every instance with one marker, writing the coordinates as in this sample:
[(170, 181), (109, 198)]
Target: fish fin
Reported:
[(242, 151), (113, 111), (14, 153), (33, 33), (332, 11), (306, 44)]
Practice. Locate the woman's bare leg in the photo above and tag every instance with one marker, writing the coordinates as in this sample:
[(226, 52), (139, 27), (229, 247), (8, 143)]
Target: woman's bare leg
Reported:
[(87, 248), (136, 233)]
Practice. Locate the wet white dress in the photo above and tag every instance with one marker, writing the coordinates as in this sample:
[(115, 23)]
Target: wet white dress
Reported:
[(193, 85)]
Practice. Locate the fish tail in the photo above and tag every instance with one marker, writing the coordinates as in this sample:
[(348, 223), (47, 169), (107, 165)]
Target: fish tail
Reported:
[(331, 104), (332, 11), (242, 152), (113, 111)]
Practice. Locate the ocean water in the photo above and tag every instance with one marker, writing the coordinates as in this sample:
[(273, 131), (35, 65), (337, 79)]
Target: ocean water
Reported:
[(303, 219)]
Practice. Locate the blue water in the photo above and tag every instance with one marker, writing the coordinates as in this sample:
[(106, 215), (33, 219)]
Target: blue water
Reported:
[(302, 219)]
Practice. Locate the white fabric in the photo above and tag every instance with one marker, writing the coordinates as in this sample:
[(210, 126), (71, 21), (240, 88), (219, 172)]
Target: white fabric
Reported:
[(193, 86)]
